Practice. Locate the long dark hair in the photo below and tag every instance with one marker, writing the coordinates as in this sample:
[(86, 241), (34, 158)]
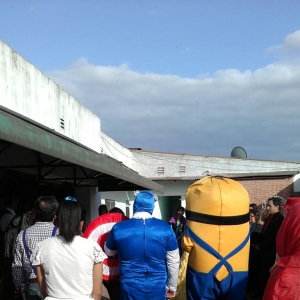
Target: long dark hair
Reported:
[(70, 214)]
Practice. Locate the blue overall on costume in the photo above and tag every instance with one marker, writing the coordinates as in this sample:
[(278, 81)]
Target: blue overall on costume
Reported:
[(205, 286)]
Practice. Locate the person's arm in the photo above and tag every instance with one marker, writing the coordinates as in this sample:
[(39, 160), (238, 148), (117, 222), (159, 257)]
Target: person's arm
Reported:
[(187, 243), (172, 260), (41, 280), (98, 256), (275, 263), (172, 264), (109, 252), (97, 281), (110, 248), (17, 265), (36, 260), (172, 221)]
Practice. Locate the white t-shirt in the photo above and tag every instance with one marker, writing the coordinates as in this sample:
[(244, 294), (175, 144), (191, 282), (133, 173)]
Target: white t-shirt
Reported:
[(68, 267)]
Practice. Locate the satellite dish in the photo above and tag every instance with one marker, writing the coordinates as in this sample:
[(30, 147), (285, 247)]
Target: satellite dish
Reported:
[(238, 152)]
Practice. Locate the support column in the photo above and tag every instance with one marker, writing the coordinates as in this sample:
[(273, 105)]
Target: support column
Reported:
[(90, 199), (95, 202), (182, 201)]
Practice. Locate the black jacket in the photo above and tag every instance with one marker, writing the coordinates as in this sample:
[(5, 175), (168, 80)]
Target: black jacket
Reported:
[(268, 239)]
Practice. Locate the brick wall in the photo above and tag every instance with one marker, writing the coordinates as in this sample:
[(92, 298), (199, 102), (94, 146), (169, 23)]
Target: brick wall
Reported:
[(260, 189)]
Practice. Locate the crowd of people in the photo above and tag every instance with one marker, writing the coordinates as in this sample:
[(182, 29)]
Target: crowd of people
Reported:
[(52, 259), (263, 246)]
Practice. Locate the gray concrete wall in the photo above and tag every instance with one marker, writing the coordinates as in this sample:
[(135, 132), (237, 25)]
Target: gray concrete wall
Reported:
[(27, 91), (195, 166)]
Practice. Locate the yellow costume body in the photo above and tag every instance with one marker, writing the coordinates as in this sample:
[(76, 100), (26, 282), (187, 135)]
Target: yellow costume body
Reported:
[(217, 211)]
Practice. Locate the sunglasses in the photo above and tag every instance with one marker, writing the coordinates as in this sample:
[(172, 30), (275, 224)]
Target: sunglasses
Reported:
[(70, 198)]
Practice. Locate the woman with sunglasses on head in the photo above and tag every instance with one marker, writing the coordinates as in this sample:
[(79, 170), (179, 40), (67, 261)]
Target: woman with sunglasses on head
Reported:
[(69, 266)]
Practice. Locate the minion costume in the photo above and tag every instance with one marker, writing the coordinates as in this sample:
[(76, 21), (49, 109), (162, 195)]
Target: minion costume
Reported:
[(148, 253), (217, 238)]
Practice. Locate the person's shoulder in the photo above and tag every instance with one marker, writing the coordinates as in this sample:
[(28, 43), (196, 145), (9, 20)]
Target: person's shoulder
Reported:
[(19, 236), (279, 216), (21, 233), (41, 225), (86, 242), (31, 228), (82, 240), (124, 223), (41, 229), (48, 242), (4, 211), (161, 223)]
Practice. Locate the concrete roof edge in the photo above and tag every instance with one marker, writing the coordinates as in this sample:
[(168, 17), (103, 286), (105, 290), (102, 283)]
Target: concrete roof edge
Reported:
[(138, 150), (230, 175)]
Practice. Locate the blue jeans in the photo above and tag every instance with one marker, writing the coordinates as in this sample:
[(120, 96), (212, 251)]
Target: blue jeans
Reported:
[(33, 292)]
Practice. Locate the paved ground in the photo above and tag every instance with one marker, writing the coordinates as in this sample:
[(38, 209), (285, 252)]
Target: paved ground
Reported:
[(104, 293)]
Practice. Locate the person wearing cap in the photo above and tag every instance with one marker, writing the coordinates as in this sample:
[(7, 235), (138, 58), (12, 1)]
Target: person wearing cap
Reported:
[(148, 253)]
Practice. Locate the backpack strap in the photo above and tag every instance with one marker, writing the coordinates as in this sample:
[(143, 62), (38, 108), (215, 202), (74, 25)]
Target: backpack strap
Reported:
[(27, 252), (54, 231)]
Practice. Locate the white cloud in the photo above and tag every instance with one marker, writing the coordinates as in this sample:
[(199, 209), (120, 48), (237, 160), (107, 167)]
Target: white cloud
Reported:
[(290, 49), (209, 114)]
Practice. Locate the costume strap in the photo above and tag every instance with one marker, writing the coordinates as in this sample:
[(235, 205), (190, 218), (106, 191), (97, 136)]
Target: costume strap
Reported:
[(216, 220), (27, 251), (212, 251)]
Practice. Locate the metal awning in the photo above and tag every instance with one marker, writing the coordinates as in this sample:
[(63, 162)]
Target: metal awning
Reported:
[(30, 147)]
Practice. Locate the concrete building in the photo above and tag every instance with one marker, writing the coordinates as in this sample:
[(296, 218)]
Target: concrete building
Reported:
[(261, 178), (50, 142)]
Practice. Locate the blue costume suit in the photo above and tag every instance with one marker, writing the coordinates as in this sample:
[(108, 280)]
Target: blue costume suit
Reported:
[(142, 246)]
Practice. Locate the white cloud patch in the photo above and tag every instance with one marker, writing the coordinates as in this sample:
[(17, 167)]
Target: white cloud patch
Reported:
[(290, 49), (209, 114)]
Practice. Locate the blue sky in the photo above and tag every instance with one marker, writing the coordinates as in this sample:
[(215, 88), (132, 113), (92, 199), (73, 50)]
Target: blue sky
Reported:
[(226, 72), (186, 38)]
